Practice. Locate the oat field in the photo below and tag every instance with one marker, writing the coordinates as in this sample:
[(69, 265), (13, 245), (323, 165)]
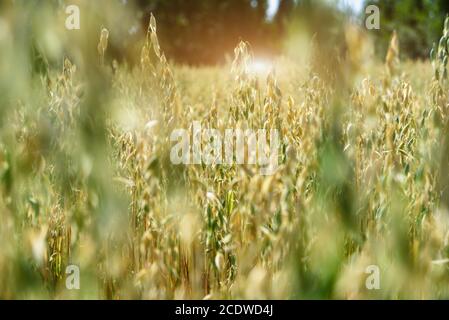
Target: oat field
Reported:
[(357, 209)]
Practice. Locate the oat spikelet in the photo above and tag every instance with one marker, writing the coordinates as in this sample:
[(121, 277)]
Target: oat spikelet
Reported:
[(103, 44), (392, 58)]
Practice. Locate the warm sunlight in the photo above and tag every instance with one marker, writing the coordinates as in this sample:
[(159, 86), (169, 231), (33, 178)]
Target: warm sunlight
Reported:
[(260, 66)]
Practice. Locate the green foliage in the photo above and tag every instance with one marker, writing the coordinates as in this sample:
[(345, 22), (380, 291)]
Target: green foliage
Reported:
[(418, 23)]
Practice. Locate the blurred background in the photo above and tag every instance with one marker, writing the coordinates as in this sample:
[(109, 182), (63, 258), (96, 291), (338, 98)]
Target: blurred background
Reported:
[(199, 32), (203, 32)]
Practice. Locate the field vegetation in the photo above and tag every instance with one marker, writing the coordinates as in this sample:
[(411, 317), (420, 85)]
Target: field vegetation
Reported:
[(86, 176)]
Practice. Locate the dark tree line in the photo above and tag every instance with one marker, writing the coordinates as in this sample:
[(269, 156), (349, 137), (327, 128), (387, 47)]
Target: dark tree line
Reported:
[(202, 31)]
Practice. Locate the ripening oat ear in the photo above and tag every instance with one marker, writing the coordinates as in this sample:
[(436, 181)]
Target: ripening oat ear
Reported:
[(242, 56), (243, 101), (152, 59), (103, 44), (439, 55), (155, 44), (152, 26), (392, 58), (151, 42), (153, 36)]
